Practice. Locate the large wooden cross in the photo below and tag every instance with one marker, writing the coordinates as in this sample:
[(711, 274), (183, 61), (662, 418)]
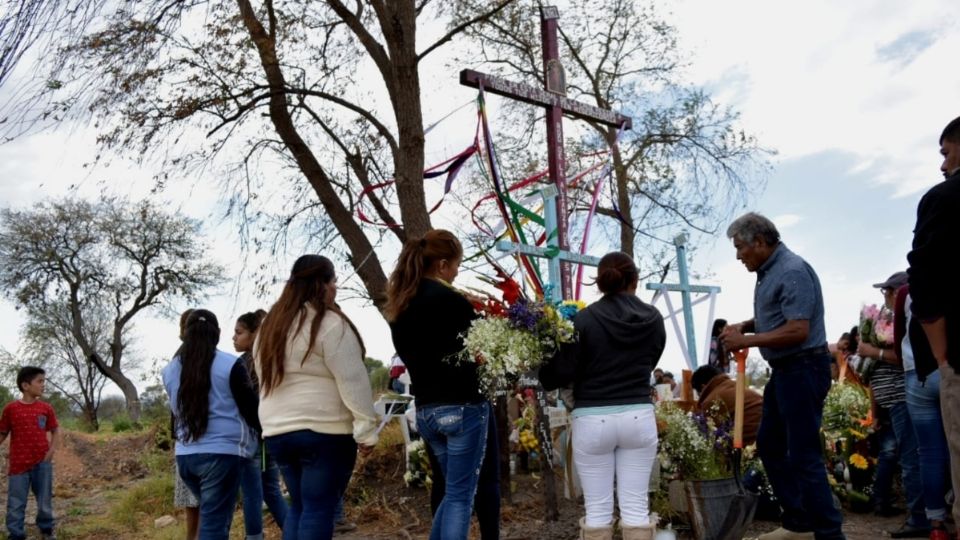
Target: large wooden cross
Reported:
[(688, 345), (553, 99)]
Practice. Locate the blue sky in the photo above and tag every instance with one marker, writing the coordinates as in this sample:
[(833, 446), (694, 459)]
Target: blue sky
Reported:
[(852, 95)]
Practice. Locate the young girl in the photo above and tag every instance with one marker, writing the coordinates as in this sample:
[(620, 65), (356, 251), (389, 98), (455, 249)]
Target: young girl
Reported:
[(315, 396), (260, 476), (182, 496), (427, 317), (214, 409)]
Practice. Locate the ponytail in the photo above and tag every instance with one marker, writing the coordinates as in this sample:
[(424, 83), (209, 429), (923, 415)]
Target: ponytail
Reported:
[(415, 258), (199, 348)]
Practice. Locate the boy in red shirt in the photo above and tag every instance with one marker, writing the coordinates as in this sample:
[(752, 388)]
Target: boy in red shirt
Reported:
[(28, 421)]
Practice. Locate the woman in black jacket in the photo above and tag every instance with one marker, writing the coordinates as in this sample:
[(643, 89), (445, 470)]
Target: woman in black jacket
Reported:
[(428, 318), (620, 340)]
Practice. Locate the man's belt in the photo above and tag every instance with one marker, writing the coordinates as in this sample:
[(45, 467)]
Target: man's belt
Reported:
[(802, 353)]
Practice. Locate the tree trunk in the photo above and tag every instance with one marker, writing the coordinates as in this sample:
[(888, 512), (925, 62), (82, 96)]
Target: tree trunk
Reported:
[(627, 233), (362, 256), (89, 417), (402, 44), (130, 395)]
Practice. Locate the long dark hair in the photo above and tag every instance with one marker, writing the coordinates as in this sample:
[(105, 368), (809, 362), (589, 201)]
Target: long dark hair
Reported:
[(199, 348), (416, 257), (251, 321), (309, 279)]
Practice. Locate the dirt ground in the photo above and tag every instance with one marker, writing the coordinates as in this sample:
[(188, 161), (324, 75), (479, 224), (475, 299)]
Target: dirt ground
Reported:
[(88, 467), (385, 509)]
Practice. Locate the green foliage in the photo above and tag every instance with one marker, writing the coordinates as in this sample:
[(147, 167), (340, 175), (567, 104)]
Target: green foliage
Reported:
[(155, 403), (372, 364), (122, 424), (62, 405), (153, 496), (158, 462), (379, 379)]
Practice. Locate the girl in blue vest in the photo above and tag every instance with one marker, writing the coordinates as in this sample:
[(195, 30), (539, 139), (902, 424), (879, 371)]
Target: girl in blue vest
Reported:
[(215, 415)]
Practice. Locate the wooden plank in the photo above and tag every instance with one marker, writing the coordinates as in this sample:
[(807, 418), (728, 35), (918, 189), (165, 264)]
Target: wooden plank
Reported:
[(689, 288), (542, 98), (505, 245)]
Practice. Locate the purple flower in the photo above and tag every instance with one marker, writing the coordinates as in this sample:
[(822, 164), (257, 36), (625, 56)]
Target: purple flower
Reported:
[(524, 314)]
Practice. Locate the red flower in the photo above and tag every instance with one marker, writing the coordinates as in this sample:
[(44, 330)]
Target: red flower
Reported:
[(511, 289)]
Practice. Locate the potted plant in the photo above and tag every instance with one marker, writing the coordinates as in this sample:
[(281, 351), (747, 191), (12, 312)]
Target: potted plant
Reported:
[(694, 453)]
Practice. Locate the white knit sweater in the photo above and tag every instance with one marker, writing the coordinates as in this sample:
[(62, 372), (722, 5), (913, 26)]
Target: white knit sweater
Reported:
[(328, 393)]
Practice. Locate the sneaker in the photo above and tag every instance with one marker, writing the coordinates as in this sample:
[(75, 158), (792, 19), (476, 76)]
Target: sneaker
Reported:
[(786, 534), (910, 531), (939, 534)]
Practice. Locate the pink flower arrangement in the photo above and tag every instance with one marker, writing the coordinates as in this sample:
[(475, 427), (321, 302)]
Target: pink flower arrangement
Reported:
[(876, 325)]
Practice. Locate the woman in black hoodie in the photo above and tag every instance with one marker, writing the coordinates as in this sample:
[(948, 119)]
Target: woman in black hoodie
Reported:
[(620, 340)]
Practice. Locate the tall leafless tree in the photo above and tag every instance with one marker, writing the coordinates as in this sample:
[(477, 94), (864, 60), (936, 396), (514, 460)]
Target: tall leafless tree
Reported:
[(113, 257), (48, 342), (271, 81)]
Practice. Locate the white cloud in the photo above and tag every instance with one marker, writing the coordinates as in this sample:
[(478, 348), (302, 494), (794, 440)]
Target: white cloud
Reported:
[(784, 221), (814, 75)]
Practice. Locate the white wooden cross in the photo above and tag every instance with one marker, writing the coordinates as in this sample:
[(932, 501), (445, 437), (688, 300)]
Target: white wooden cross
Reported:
[(688, 345)]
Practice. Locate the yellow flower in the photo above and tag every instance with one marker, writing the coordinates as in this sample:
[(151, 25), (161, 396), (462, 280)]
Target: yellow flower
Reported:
[(858, 461), (858, 434)]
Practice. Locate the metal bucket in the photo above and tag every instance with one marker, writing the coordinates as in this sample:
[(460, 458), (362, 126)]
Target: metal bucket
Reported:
[(709, 502)]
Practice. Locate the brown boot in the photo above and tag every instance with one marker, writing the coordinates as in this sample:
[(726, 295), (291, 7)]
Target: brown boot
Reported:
[(596, 533), (639, 532)]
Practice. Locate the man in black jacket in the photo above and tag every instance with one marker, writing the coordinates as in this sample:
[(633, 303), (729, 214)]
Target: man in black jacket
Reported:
[(933, 287)]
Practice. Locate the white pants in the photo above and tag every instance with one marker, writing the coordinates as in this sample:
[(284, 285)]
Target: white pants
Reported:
[(622, 445)]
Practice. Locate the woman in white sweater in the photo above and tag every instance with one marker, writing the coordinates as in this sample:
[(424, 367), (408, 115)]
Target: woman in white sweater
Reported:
[(315, 399)]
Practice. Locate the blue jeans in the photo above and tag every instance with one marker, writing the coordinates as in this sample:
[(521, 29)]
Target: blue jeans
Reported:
[(40, 480), (923, 403), (316, 468), (214, 479), (457, 434), (900, 439), (789, 446), (259, 483), (909, 463), (487, 500), (886, 448)]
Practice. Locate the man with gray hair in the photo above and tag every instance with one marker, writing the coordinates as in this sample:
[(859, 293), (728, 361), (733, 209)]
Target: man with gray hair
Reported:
[(788, 328)]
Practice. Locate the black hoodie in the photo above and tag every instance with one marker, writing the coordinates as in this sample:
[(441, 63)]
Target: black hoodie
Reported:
[(619, 342)]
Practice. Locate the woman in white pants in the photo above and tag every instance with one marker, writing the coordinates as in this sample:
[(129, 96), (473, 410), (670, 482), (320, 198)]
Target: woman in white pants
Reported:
[(620, 340)]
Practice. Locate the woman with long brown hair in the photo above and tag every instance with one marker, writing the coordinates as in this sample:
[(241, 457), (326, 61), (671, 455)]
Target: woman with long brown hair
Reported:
[(315, 396), (427, 318)]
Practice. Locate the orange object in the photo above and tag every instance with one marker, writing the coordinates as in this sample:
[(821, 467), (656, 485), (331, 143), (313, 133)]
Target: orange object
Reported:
[(741, 358)]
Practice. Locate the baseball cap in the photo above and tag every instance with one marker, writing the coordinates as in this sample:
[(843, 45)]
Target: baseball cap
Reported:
[(895, 281)]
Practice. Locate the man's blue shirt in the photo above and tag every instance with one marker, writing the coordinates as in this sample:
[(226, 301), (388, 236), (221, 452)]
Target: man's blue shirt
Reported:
[(788, 289)]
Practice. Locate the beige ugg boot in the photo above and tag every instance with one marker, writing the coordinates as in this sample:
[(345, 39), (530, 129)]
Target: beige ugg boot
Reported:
[(595, 533), (639, 532)]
